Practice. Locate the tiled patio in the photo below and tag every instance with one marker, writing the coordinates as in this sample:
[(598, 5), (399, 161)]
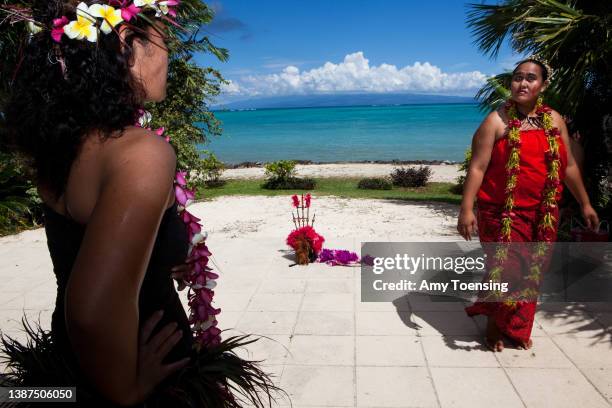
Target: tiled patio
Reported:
[(328, 349)]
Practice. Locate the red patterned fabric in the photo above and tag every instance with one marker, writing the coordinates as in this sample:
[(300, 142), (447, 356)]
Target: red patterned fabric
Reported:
[(533, 171), (515, 322)]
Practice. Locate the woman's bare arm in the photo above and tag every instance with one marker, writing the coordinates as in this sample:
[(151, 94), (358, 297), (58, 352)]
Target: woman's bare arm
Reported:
[(573, 177), (482, 146), (102, 293)]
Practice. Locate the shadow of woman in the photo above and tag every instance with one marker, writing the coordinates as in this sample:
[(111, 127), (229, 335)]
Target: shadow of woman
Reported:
[(442, 316)]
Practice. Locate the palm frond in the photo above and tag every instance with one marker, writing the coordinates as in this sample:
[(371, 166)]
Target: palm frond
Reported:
[(495, 92), (572, 41)]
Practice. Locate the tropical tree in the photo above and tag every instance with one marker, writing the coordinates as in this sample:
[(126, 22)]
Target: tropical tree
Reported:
[(575, 37)]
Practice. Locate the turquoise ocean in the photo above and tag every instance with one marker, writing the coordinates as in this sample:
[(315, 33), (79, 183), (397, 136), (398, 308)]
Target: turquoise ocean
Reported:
[(407, 132)]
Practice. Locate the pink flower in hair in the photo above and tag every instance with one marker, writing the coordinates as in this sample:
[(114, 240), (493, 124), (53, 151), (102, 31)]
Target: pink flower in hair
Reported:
[(130, 12), (58, 28)]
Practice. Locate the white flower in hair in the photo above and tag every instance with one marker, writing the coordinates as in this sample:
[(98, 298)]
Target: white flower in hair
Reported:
[(144, 3), (84, 26), (164, 7), (111, 16), (34, 28)]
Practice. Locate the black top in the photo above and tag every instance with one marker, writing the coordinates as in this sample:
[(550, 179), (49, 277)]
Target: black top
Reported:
[(64, 237)]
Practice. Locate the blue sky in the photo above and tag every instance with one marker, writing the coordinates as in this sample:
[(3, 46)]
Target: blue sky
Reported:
[(304, 47)]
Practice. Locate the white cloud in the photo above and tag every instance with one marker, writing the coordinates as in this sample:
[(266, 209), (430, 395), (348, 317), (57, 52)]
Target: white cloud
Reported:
[(355, 74), (231, 88)]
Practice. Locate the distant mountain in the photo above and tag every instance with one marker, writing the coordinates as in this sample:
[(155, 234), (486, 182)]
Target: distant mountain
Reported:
[(317, 101)]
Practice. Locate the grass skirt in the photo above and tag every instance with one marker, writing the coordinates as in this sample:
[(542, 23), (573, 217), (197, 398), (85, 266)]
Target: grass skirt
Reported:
[(216, 377)]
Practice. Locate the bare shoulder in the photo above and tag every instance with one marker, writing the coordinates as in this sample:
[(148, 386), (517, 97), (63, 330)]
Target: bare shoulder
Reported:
[(493, 124), (139, 152), (558, 120)]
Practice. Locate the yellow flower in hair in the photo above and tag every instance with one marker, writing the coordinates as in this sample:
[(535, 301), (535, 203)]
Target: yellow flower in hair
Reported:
[(84, 26), (111, 16)]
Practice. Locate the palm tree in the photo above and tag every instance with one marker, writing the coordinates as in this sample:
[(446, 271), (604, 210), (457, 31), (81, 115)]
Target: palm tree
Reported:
[(575, 37)]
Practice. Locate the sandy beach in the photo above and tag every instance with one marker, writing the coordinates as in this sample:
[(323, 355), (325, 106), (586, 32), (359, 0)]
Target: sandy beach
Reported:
[(440, 172)]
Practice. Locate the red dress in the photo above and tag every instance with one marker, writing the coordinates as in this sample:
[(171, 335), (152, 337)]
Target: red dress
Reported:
[(515, 321)]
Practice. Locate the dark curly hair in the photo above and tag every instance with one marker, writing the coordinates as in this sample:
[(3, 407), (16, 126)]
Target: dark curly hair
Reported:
[(50, 110)]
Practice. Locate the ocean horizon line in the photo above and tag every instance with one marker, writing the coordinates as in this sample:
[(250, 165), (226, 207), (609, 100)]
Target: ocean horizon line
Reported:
[(429, 162), (343, 106)]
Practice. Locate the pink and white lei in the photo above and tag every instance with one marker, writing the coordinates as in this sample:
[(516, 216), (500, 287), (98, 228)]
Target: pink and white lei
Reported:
[(201, 280)]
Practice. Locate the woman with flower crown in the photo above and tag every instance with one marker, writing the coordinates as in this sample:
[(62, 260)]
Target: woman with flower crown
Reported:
[(520, 158), (115, 216)]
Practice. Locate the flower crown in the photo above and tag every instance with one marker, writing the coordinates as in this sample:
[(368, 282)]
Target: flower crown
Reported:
[(540, 60), (90, 20)]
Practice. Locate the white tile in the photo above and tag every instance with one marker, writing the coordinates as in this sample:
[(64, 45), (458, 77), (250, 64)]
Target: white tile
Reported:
[(332, 302), (389, 351), (445, 323), (272, 302), (267, 322), (319, 385), (326, 323), (426, 303), (282, 286), (270, 350), (543, 354), (474, 388), (555, 387), (385, 323), (453, 351), (329, 286), (601, 378), (381, 306), (228, 320), (575, 324), (322, 350), (232, 301), (394, 387), (587, 352)]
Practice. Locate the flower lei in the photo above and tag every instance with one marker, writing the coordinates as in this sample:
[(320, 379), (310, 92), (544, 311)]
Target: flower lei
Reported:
[(201, 280), (103, 17), (546, 225)]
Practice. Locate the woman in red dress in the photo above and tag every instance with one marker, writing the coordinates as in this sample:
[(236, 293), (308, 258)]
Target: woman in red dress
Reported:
[(520, 157)]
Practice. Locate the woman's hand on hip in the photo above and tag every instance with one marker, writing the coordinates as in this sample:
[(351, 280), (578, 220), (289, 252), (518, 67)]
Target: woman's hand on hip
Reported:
[(151, 352)]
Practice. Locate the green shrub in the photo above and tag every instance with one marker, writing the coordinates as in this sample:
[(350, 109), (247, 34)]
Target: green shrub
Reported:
[(19, 201), (281, 170), (374, 183), (212, 170), (458, 188), (281, 175), (410, 176), (292, 183)]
